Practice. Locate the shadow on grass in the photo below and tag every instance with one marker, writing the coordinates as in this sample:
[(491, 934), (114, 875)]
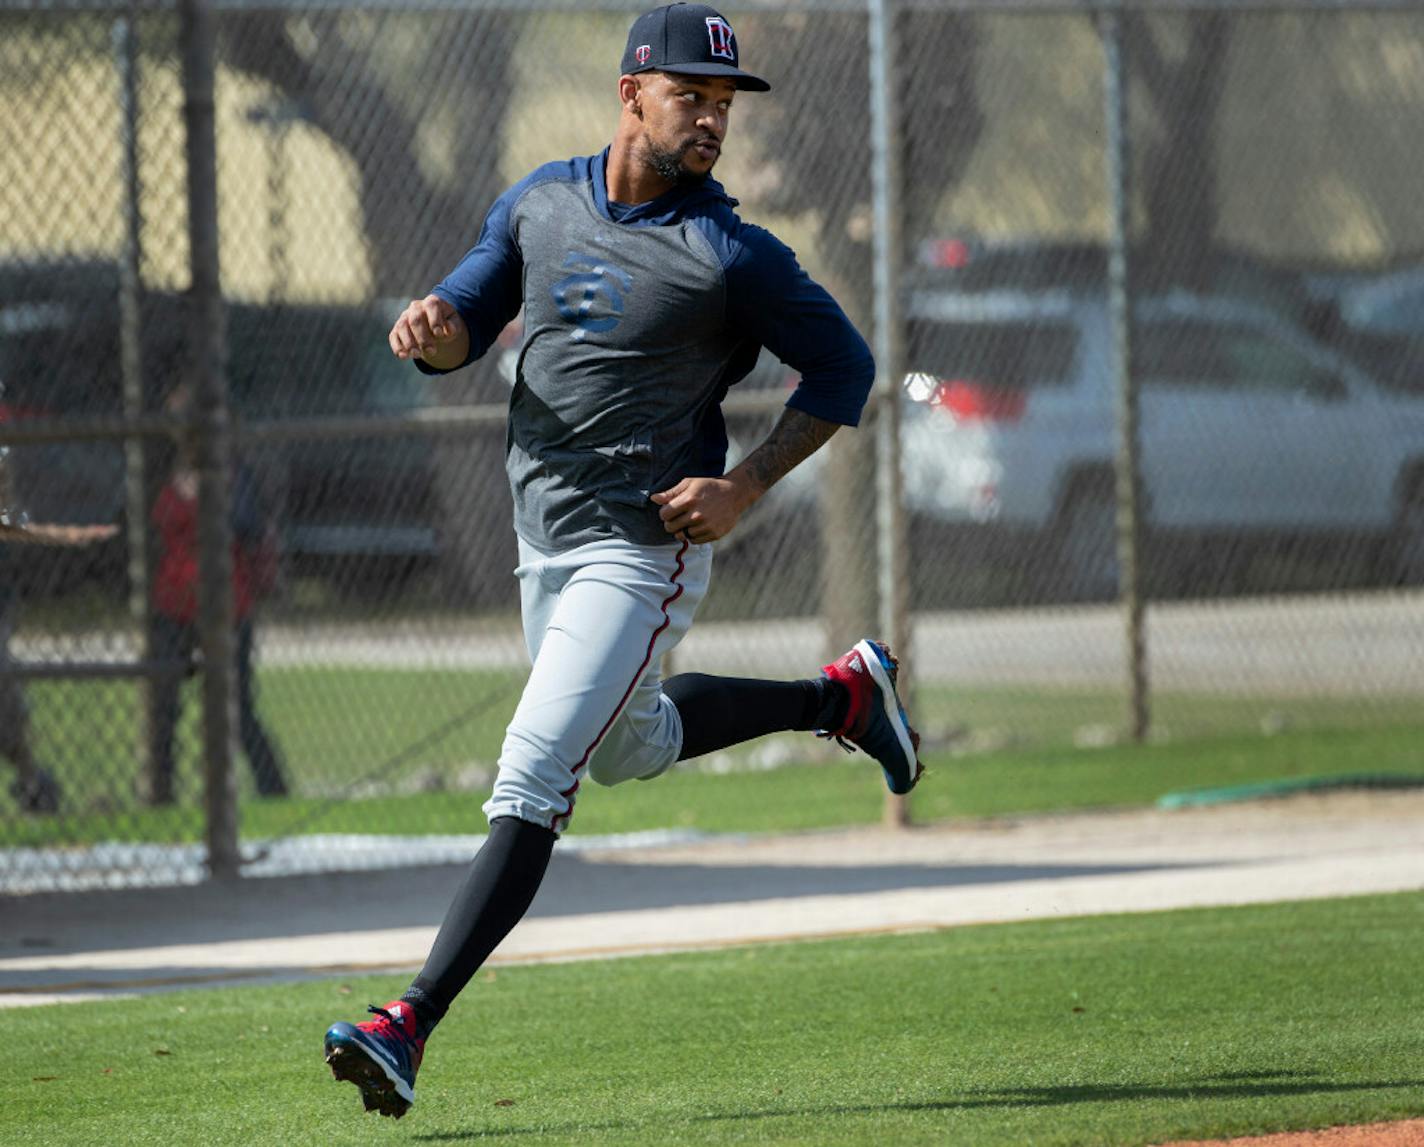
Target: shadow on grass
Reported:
[(1233, 1085), (1238, 1085)]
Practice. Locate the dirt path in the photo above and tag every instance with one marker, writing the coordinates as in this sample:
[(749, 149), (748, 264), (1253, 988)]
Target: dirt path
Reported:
[(1409, 1133)]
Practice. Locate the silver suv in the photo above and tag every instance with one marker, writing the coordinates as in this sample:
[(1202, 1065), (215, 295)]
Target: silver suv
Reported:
[(1249, 427)]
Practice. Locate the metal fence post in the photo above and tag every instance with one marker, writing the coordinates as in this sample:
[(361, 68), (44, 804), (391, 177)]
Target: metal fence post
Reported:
[(211, 438), (137, 478), (1128, 469), (889, 350)]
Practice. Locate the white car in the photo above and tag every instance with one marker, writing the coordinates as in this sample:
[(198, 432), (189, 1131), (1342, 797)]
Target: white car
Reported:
[(1248, 427), (1390, 302)]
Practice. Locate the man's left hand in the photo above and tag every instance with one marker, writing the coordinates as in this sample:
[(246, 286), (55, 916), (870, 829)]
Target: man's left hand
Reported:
[(703, 509)]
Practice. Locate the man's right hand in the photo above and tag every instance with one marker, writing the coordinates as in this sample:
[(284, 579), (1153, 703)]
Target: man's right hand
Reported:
[(432, 330)]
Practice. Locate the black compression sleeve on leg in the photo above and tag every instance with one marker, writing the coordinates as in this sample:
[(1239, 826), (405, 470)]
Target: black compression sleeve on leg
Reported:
[(500, 886), (721, 711)]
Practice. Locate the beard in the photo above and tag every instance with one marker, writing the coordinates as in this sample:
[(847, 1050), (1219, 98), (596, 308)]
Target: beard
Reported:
[(668, 163)]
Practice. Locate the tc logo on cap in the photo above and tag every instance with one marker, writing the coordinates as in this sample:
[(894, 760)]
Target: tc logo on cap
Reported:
[(690, 39), (719, 32)]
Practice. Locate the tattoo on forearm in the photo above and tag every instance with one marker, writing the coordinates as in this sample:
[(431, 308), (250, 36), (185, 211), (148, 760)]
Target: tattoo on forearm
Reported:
[(794, 438)]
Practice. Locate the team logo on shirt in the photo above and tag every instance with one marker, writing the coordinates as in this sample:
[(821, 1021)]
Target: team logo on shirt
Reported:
[(720, 33), (591, 297)]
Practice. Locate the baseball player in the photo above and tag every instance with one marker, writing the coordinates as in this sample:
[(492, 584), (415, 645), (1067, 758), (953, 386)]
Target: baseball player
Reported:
[(645, 297)]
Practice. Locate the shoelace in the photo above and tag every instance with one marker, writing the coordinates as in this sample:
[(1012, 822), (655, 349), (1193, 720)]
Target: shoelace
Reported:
[(826, 735), (396, 1026), (385, 1015)]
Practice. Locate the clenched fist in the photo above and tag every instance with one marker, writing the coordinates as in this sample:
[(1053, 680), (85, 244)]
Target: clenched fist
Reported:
[(432, 330)]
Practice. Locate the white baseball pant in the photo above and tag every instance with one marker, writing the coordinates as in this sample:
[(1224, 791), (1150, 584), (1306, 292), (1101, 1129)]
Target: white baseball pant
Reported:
[(597, 620)]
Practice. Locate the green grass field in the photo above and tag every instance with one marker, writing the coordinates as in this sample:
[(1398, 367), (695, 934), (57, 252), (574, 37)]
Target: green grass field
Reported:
[(357, 739), (1113, 1031)]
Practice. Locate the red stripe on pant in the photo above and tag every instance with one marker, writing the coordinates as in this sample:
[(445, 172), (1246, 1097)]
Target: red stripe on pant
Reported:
[(570, 793)]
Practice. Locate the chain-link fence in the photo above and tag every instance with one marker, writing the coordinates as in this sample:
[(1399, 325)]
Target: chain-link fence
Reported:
[(1273, 345)]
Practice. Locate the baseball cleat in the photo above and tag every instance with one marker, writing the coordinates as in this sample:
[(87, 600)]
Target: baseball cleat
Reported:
[(875, 721), (380, 1057)]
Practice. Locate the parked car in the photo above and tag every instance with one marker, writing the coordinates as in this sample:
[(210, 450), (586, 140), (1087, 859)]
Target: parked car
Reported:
[(1249, 427), (41, 347), (349, 506), (1033, 265), (1377, 318), (1382, 302), (343, 501)]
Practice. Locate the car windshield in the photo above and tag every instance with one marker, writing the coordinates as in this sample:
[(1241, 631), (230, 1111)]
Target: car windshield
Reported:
[(52, 362), (1390, 307), (1021, 354), (967, 268), (1392, 361), (1196, 353)]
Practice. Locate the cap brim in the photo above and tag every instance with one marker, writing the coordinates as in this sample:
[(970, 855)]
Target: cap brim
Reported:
[(746, 82)]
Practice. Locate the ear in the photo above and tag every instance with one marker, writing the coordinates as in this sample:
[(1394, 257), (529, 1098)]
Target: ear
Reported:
[(628, 95)]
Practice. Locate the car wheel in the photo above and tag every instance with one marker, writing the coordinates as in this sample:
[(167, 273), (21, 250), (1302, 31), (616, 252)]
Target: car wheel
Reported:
[(1408, 547), (1087, 544)]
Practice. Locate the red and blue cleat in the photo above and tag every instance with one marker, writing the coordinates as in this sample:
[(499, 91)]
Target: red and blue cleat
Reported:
[(380, 1057), (875, 721)]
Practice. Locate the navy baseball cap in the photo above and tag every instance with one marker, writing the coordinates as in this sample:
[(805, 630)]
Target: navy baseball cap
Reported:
[(690, 39)]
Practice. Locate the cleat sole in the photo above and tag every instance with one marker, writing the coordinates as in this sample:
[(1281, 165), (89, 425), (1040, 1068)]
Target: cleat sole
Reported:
[(919, 768), (891, 673), (378, 1092)]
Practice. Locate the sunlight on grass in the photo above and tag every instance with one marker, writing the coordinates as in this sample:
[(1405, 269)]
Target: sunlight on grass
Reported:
[(1114, 1030), (410, 752)]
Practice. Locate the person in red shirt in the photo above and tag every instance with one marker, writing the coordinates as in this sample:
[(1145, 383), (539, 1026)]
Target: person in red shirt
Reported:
[(175, 614)]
